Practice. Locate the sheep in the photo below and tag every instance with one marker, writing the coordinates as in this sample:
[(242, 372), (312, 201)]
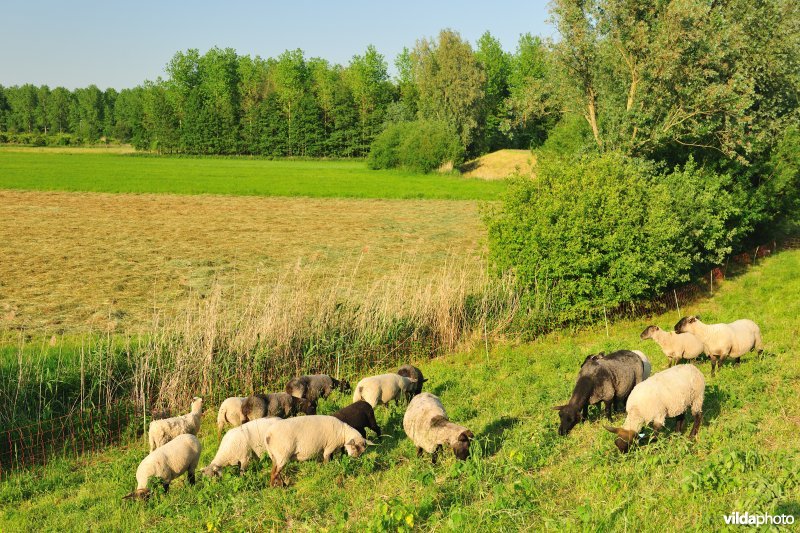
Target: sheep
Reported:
[(602, 378), (277, 404), (359, 416), (646, 366), (306, 437), (239, 445), (162, 431), (230, 412), (315, 386), (667, 394), (676, 346), (168, 462), (380, 390), (721, 341), (412, 372), (428, 427)]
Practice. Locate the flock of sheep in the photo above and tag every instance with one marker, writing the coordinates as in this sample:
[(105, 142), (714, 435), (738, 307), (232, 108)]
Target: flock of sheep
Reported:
[(265, 423)]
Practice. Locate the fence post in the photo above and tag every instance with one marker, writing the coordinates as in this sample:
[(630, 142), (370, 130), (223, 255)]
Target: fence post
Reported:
[(711, 277), (678, 307), (605, 317)]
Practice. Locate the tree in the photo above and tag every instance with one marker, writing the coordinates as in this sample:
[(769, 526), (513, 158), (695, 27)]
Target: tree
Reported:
[(496, 64), (450, 82), (290, 77), (368, 79), (22, 103), (57, 109)]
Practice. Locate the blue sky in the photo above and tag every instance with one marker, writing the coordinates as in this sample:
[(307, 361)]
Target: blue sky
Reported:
[(76, 43)]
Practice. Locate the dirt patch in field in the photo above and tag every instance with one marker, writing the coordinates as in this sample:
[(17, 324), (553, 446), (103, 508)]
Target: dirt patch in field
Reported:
[(77, 261), (500, 164)]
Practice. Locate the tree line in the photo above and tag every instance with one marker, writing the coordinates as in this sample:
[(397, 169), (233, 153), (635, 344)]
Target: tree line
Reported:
[(222, 102)]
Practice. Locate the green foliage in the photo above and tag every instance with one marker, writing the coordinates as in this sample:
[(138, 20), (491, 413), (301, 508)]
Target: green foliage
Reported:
[(571, 136), (588, 233), (421, 146)]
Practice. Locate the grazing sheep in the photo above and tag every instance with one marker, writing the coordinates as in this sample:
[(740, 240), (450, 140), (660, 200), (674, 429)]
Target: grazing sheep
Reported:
[(606, 378), (721, 341), (676, 346), (428, 427), (306, 437), (230, 412), (412, 372), (238, 446), (359, 416), (277, 404), (314, 387), (380, 390), (667, 394), (168, 462), (162, 431)]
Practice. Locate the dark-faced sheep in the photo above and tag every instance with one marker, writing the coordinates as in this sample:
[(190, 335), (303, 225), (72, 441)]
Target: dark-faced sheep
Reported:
[(412, 372), (427, 425), (606, 378), (359, 416), (721, 341), (276, 404), (315, 386)]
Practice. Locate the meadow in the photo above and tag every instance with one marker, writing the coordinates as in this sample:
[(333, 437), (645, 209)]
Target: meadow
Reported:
[(112, 172), (521, 474)]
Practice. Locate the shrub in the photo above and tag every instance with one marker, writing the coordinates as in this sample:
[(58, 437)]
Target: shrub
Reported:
[(571, 136), (594, 232), (420, 145)]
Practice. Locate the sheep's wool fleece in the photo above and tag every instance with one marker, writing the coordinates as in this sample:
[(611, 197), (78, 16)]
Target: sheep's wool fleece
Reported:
[(417, 423), (306, 437), (380, 389), (665, 395), (170, 460), (230, 410)]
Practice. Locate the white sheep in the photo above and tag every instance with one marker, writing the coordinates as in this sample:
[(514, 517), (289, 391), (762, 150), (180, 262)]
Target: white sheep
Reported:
[(306, 437), (230, 412), (667, 394), (646, 366), (168, 462), (380, 390), (721, 341), (239, 445), (676, 346), (162, 431), (428, 427)]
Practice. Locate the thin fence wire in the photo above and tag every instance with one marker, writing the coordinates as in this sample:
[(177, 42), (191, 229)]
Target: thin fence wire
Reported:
[(92, 430)]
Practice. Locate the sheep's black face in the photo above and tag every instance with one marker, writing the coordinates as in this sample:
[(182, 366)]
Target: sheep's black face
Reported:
[(569, 418), (622, 445), (683, 324), (461, 447), (648, 332), (355, 447), (344, 386)]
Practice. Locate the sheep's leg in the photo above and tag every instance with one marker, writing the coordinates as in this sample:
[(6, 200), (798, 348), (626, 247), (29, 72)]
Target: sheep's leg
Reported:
[(420, 451), (609, 408), (243, 464), (165, 484), (191, 477), (738, 361), (698, 418), (585, 413), (679, 422), (326, 456), (713, 366), (435, 453)]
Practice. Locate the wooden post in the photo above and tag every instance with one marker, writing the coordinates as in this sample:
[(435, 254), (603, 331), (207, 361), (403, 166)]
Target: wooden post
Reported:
[(605, 317), (678, 307), (711, 276)]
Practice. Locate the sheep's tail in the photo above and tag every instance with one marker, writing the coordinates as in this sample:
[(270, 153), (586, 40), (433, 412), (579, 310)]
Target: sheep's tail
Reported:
[(759, 345), (222, 418), (359, 394)]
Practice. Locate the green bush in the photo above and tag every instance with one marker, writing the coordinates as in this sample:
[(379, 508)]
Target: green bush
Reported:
[(421, 145), (571, 136), (587, 234)]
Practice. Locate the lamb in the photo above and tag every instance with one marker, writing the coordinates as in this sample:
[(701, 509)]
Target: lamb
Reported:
[(412, 372), (168, 462), (667, 394), (306, 437), (380, 390), (359, 416), (162, 431), (721, 341), (601, 378), (315, 386), (230, 412), (428, 427), (277, 404), (676, 346), (239, 445)]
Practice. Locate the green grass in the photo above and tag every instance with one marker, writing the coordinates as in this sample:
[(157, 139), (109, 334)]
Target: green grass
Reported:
[(521, 473), (119, 173)]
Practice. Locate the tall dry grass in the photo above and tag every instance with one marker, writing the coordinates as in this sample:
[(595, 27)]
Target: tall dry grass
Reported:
[(238, 340)]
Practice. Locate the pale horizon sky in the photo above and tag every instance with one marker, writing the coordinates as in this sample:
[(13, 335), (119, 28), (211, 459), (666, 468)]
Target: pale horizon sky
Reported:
[(75, 44)]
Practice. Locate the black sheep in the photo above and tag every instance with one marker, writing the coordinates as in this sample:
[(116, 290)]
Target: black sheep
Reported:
[(412, 372), (359, 416), (606, 378)]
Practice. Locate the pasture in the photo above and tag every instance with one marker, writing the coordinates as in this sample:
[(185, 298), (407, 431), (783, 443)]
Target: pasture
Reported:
[(521, 474), (96, 170)]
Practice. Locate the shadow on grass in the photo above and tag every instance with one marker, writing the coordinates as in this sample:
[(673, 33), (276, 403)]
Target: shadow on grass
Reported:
[(494, 433)]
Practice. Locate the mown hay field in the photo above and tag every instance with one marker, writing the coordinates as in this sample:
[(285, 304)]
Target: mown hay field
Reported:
[(521, 474), (107, 262)]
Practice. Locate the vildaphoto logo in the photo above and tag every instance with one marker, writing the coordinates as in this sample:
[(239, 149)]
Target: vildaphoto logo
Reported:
[(748, 519)]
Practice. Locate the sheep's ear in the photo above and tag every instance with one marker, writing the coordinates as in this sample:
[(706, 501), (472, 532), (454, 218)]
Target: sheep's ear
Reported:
[(466, 435), (130, 496), (558, 407), (370, 443), (424, 380), (694, 318), (351, 442), (613, 430)]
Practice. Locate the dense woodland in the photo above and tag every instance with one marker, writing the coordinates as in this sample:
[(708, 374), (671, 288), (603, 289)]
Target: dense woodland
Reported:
[(221, 102)]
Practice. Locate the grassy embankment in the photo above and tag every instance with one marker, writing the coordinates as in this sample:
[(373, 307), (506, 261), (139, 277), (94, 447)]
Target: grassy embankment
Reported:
[(521, 474)]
